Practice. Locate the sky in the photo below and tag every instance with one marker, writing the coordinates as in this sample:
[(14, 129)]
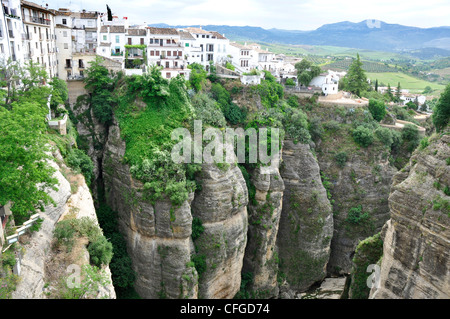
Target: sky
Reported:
[(281, 14)]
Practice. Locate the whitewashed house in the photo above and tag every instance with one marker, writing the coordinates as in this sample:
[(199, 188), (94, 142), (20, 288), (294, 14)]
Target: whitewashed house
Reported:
[(328, 82)]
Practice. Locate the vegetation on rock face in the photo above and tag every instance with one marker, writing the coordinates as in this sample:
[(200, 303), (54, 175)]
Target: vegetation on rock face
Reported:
[(25, 175), (368, 252)]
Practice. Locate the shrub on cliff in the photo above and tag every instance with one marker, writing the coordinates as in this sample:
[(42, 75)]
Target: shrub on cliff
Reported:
[(377, 109), (363, 136)]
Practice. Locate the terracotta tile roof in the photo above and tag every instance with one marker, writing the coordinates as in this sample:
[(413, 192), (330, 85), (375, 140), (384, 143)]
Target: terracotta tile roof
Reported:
[(165, 31)]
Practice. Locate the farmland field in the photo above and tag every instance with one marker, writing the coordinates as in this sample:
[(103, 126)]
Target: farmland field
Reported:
[(372, 67), (415, 85)]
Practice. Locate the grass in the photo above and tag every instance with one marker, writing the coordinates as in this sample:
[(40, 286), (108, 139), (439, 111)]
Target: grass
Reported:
[(409, 82)]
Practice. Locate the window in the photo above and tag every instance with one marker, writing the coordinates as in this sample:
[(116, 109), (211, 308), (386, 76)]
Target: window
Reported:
[(175, 53), (168, 75), (179, 53), (152, 53), (169, 53), (129, 41), (65, 34), (64, 21), (156, 41), (168, 41), (66, 45), (157, 53), (104, 38), (142, 41), (117, 39), (151, 41), (186, 45)]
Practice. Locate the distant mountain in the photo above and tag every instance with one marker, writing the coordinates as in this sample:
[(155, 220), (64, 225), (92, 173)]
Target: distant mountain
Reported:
[(368, 34)]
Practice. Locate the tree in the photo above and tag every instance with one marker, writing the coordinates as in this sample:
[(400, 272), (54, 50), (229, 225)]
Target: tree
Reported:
[(100, 84), (356, 77), (305, 78), (377, 109), (376, 85), (397, 94), (441, 113), (389, 93), (25, 175), (198, 76)]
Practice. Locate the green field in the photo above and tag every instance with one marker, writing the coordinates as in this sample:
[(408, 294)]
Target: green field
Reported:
[(411, 83)]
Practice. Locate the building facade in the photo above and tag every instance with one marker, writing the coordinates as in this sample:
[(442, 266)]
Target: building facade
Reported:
[(39, 38)]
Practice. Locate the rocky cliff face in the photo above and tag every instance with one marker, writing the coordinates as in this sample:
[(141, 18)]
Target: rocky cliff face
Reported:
[(221, 205), (37, 257), (306, 223), (261, 253), (159, 235), (416, 255)]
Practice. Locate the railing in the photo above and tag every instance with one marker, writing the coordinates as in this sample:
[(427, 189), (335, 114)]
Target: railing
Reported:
[(172, 45), (170, 57), (37, 20), (116, 53)]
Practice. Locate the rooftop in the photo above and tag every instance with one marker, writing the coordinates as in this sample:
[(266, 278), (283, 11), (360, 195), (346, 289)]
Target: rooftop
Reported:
[(34, 6), (165, 31), (113, 29)]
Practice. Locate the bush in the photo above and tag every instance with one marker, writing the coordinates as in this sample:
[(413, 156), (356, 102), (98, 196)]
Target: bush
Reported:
[(200, 263), (82, 163), (234, 114), (357, 216), (315, 129), (377, 109), (290, 82), (341, 158), (208, 111), (197, 228), (230, 66), (410, 133), (64, 234), (363, 136), (100, 251), (384, 135)]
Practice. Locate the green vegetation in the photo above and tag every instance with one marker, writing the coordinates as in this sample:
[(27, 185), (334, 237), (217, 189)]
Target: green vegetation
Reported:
[(368, 252), (415, 85), (66, 232), (81, 163), (197, 77), (377, 109), (306, 71), (24, 141), (356, 80), (363, 136), (122, 274), (441, 113)]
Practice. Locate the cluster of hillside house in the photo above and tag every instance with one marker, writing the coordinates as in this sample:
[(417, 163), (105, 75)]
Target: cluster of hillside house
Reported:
[(64, 42)]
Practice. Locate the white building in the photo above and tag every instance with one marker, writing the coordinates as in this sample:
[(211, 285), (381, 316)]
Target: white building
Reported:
[(209, 46), (76, 40), (166, 49), (12, 32), (39, 43), (328, 82), (406, 98)]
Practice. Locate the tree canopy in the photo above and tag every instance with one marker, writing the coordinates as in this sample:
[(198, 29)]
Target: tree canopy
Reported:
[(441, 113), (356, 79)]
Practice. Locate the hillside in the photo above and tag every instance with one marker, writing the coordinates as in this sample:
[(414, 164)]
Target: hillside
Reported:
[(371, 35)]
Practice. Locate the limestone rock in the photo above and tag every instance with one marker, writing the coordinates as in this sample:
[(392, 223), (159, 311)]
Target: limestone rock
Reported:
[(416, 254), (306, 223), (221, 205)]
